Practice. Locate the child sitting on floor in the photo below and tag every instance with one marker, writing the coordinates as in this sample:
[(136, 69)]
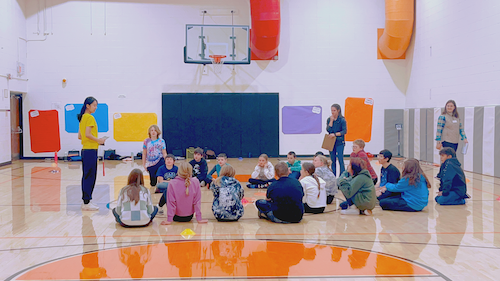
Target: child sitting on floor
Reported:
[(183, 197), (293, 165), (357, 186), (323, 171), (134, 207), (263, 173), (221, 161), (314, 189), (228, 193), (200, 167), (358, 147), (388, 174), (413, 188), (453, 186), (165, 173)]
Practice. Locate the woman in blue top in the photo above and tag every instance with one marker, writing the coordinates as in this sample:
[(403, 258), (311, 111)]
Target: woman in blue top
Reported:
[(228, 193), (414, 187), (154, 152), (336, 126)]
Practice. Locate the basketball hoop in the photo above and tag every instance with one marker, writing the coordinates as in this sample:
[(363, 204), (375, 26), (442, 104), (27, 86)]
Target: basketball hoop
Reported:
[(217, 62)]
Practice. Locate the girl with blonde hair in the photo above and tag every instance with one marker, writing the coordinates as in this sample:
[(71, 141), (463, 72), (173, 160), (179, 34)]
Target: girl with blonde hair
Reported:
[(184, 196), (154, 151), (135, 198), (228, 193), (324, 172)]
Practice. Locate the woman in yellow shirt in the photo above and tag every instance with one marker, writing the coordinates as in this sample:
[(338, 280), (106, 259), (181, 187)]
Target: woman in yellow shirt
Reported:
[(90, 143)]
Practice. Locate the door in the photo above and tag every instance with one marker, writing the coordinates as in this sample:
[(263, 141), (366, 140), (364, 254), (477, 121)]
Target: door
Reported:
[(16, 125)]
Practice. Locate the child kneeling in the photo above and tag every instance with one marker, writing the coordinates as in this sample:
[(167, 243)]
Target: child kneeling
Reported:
[(357, 186), (453, 187), (413, 187), (135, 207)]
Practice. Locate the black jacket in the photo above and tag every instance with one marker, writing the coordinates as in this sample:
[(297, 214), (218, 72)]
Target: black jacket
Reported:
[(452, 178)]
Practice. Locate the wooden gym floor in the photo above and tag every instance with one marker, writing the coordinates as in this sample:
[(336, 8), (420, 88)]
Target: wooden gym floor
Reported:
[(45, 236)]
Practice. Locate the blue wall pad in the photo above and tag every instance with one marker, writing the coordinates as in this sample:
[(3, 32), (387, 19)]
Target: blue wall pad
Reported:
[(73, 109), (301, 120)]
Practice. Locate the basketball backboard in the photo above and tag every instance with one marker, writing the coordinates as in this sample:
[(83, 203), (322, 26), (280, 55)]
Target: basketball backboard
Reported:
[(205, 40)]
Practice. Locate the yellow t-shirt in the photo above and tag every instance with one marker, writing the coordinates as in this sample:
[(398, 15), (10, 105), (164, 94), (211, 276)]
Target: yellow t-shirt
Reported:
[(88, 121)]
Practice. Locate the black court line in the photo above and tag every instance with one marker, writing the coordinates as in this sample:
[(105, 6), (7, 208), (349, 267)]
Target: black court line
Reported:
[(438, 273)]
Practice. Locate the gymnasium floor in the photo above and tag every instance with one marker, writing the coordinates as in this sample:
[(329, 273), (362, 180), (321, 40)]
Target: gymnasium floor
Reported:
[(45, 235)]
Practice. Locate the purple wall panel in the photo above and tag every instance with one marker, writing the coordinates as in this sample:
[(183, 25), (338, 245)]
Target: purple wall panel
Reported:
[(301, 120)]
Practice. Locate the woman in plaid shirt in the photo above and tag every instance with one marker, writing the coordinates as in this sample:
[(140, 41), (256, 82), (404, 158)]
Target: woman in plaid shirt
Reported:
[(449, 127)]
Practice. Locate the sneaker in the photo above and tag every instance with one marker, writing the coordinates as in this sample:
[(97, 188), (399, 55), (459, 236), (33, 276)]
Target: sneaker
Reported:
[(352, 210), (252, 185), (89, 207)]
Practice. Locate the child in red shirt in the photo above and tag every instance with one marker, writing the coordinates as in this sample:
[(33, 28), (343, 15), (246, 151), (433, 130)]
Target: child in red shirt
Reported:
[(358, 151)]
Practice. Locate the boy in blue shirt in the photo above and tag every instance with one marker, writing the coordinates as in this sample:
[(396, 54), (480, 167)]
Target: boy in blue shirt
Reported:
[(164, 175), (453, 186), (221, 161), (200, 167)]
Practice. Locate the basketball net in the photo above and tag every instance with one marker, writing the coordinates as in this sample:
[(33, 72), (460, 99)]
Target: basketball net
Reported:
[(217, 62)]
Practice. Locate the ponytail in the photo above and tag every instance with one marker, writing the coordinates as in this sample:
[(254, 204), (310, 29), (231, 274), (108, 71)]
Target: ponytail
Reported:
[(187, 183), (88, 101), (317, 181)]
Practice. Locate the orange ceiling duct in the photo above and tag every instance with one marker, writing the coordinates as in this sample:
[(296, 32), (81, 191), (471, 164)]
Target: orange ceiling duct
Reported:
[(265, 33), (393, 40)]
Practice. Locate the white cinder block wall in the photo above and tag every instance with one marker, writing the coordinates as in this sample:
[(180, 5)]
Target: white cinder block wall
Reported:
[(456, 54), (12, 26), (327, 53)]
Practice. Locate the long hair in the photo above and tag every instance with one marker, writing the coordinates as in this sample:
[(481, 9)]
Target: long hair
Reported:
[(185, 171), (226, 171), (357, 165), (412, 171), (88, 101), (324, 160), (134, 183), (263, 155), (157, 129), (455, 112), (309, 167), (337, 107)]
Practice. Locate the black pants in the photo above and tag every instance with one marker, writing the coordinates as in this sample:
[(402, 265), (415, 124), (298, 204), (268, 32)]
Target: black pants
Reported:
[(329, 199), (89, 167), (449, 144), (308, 209), (152, 171), (183, 219)]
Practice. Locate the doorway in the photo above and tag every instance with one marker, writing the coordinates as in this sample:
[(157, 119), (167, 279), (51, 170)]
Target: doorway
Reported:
[(16, 125)]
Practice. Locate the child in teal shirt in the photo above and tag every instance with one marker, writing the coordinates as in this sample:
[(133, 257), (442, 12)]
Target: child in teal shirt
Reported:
[(294, 165), (221, 161)]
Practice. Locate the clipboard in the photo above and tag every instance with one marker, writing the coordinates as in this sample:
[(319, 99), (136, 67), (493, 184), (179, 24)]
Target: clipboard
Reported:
[(328, 143)]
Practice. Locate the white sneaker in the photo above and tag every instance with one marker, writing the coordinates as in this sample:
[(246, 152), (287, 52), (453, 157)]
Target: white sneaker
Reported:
[(366, 212), (352, 210), (89, 207)]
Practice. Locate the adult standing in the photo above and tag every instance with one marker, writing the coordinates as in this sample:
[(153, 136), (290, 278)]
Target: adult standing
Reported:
[(449, 127), (90, 143), (336, 126)]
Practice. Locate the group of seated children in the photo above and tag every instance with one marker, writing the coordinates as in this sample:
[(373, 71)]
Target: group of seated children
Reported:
[(181, 190), (407, 192), (287, 198)]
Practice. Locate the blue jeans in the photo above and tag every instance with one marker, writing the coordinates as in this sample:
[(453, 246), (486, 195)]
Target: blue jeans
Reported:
[(163, 188), (265, 210), (452, 199), (118, 220), (395, 203), (337, 153), (89, 167)]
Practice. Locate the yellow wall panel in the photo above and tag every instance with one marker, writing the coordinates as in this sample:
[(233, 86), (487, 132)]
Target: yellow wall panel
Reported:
[(132, 126)]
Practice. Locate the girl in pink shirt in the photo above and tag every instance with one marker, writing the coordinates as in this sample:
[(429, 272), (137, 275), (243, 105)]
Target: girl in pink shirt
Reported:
[(184, 197)]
